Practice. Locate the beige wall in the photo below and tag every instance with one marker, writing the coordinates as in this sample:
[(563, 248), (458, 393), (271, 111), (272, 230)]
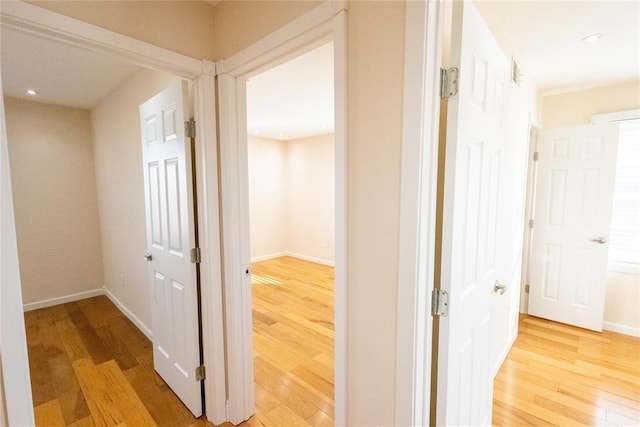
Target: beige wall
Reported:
[(292, 198), (622, 300), (185, 26), (119, 179), (311, 198), (54, 190), (576, 108), (267, 196)]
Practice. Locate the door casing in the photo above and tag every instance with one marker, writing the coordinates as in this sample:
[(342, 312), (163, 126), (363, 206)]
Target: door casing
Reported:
[(322, 24)]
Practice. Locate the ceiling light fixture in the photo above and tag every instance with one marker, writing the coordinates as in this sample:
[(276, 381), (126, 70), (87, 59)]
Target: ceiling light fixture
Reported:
[(592, 38), (31, 92)]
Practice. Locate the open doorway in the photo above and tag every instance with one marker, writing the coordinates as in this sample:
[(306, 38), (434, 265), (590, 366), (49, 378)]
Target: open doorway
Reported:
[(75, 153), (291, 177)]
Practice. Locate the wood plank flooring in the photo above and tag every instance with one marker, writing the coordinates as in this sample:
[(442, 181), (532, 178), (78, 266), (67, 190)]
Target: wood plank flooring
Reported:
[(90, 366), (561, 375)]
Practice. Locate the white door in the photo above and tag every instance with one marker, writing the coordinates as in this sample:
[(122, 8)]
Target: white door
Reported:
[(170, 237), (576, 175), (470, 226)]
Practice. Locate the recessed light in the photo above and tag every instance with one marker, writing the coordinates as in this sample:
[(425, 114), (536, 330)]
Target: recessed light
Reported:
[(592, 38), (31, 92)]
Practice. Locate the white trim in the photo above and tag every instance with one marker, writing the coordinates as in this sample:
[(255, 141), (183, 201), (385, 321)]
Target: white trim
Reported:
[(617, 116), (579, 88), (311, 259), (503, 355), (43, 23), (63, 299), (423, 47), (209, 235), (125, 310), (621, 267), (621, 329), (269, 256), (316, 27)]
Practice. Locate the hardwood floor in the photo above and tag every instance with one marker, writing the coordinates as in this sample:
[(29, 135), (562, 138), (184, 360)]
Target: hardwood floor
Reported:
[(293, 343), (90, 366), (560, 375)]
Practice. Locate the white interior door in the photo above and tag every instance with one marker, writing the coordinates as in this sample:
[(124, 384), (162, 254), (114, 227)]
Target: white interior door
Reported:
[(576, 175), (470, 226), (170, 237)]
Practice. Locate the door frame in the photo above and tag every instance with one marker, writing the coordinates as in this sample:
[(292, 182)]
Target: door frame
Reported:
[(420, 140), (322, 24), (44, 23)]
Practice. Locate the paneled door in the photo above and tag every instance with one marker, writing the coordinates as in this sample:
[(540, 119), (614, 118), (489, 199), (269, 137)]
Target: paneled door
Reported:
[(170, 237), (470, 223), (576, 176)]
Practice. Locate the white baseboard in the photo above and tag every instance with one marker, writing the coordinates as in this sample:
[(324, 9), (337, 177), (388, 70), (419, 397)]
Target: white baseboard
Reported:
[(136, 321), (62, 300), (505, 353), (621, 329), (267, 257), (311, 259)]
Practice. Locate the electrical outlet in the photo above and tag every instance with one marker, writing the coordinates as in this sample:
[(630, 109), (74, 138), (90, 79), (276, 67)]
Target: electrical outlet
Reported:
[(122, 280)]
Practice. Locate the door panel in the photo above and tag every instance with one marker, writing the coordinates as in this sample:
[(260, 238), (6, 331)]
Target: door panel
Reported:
[(170, 236), (576, 173), (470, 227)]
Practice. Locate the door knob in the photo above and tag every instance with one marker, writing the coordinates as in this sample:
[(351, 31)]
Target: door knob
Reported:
[(148, 256), (600, 240), (499, 288)]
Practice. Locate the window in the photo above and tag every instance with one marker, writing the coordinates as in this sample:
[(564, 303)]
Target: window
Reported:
[(624, 248)]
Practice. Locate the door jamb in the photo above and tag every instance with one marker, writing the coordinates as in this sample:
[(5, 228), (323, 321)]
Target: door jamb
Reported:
[(423, 59), (318, 26), (44, 23)]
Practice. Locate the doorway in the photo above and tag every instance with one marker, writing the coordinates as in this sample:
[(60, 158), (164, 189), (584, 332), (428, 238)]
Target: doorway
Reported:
[(88, 38), (291, 183)]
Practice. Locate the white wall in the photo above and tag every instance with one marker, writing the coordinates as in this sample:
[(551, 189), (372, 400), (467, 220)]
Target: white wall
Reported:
[(311, 198), (267, 160), (292, 198), (55, 202), (120, 186), (621, 312)]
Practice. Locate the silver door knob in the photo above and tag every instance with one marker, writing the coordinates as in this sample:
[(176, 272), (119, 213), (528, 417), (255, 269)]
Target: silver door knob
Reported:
[(600, 240), (148, 256), (499, 288)]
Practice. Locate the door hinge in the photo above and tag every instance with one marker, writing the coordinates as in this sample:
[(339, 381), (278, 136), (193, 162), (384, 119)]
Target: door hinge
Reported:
[(531, 223), (448, 83), (200, 373), (190, 128), (195, 255), (439, 303), (526, 289), (536, 155)]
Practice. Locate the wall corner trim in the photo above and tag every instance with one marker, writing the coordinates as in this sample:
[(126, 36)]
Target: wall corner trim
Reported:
[(621, 329), (123, 308), (62, 300)]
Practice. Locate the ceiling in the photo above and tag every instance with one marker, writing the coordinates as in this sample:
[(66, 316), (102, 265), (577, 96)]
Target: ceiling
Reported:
[(294, 100), (60, 73), (547, 37)]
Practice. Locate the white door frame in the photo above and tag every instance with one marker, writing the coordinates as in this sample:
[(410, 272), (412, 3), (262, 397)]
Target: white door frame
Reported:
[(44, 23), (420, 139), (322, 24)]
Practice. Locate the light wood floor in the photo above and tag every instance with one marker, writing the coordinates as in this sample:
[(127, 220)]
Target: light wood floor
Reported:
[(91, 366), (561, 375)]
